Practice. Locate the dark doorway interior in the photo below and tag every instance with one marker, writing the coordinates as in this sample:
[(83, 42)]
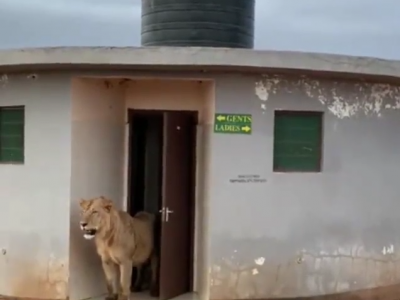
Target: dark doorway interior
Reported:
[(161, 181)]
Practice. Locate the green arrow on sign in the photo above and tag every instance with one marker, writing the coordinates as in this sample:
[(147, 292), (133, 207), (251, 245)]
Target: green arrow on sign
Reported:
[(221, 118), (233, 123)]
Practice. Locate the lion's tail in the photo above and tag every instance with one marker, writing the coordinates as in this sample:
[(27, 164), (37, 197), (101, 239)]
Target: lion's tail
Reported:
[(145, 216)]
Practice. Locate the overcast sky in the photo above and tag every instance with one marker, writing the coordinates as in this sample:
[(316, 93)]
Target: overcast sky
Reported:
[(356, 27)]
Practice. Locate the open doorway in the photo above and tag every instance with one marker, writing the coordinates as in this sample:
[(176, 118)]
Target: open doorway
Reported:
[(162, 181)]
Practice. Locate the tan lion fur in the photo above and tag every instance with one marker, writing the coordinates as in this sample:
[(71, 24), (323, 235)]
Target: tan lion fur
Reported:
[(122, 241)]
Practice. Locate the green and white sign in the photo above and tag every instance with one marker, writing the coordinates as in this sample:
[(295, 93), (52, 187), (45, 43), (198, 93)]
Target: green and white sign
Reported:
[(233, 123)]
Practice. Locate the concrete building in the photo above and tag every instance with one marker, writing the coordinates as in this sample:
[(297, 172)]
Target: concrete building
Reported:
[(296, 192)]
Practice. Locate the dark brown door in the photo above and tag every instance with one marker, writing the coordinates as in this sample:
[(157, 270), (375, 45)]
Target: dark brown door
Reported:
[(175, 226)]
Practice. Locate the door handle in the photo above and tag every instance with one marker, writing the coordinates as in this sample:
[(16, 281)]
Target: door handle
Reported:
[(165, 211)]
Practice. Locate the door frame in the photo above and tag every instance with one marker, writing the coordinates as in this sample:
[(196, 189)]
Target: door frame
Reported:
[(193, 193)]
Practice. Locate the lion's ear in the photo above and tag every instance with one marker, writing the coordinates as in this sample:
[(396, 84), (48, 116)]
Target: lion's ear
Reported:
[(107, 203), (108, 207), (84, 204)]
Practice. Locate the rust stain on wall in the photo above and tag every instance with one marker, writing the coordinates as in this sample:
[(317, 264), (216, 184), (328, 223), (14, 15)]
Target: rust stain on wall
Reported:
[(40, 282), (379, 293), (310, 275)]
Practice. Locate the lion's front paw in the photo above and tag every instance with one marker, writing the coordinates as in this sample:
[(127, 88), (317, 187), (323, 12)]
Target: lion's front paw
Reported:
[(123, 297), (111, 297)]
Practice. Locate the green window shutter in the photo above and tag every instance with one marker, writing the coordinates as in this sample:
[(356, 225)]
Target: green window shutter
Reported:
[(12, 122), (297, 141)]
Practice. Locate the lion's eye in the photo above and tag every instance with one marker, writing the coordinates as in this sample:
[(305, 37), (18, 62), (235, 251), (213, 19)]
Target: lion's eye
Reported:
[(94, 212)]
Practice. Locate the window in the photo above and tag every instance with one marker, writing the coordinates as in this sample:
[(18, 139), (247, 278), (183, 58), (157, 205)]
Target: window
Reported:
[(297, 141), (12, 134)]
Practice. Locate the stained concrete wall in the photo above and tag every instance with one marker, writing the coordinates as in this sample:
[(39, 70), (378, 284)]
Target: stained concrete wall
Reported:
[(305, 234), (98, 111), (34, 219), (100, 162), (293, 235)]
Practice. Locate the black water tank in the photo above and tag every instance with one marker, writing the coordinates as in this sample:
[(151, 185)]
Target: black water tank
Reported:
[(205, 23)]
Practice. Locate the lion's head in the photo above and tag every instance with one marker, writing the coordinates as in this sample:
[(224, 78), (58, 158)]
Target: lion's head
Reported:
[(95, 216)]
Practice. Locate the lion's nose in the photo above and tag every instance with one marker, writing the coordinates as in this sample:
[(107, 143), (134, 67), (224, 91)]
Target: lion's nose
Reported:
[(83, 224)]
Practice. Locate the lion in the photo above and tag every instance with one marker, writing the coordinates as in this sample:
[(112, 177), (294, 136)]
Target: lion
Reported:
[(122, 242)]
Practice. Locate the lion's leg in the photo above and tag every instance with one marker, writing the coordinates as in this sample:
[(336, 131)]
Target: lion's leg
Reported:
[(137, 287), (125, 270), (145, 284), (111, 273), (154, 274)]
